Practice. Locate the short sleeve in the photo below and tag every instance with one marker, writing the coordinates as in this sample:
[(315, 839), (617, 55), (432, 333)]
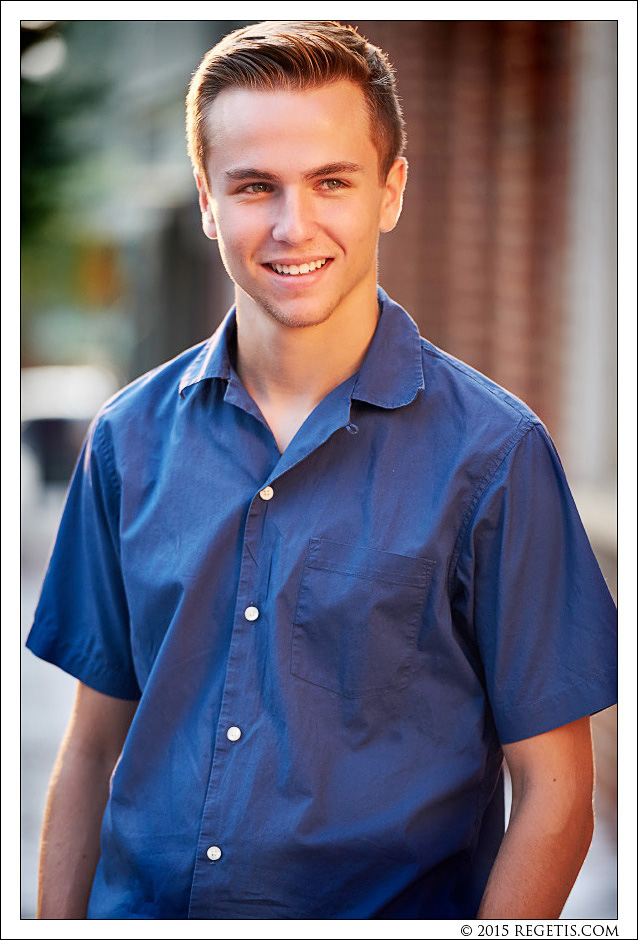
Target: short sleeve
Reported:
[(532, 597), (81, 623)]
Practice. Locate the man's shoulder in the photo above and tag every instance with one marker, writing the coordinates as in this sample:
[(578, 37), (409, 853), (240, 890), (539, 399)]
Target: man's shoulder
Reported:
[(452, 393), (155, 393), (469, 395)]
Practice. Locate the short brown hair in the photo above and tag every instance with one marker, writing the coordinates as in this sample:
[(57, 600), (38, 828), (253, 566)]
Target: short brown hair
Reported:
[(297, 54)]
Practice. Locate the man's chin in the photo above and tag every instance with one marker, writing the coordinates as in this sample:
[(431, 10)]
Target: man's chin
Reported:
[(294, 315), (298, 321)]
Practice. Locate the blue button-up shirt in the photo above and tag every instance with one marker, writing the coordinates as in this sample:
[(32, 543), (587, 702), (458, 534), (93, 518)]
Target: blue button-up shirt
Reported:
[(329, 645)]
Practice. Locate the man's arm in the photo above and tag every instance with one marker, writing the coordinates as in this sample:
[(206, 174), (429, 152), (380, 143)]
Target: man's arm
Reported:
[(551, 824), (78, 793)]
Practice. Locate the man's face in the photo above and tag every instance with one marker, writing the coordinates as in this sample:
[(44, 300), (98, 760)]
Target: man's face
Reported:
[(296, 201)]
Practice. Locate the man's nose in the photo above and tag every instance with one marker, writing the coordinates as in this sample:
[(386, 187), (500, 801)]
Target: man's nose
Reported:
[(294, 220)]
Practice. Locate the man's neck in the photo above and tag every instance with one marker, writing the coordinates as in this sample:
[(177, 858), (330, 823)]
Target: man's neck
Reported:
[(288, 370)]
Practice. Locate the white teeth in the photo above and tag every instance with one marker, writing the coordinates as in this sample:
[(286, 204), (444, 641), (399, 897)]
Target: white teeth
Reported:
[(296, 269)]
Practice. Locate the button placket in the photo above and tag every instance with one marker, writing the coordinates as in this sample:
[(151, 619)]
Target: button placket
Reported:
[(239, 716), (228, 732)]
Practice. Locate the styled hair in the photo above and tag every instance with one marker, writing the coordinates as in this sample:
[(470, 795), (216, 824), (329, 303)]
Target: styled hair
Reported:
[(297, 55)]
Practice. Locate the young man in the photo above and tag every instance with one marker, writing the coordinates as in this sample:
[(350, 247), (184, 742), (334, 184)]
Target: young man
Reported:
[(315, 576)]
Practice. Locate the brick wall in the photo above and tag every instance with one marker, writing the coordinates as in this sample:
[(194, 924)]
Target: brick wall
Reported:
[(479, 255)]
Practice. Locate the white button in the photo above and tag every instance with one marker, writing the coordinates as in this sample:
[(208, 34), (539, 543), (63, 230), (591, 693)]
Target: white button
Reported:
[(267, 493), (214, 853), (233, 734), (251, 613)]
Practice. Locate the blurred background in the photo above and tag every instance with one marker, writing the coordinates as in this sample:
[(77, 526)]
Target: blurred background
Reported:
[(505, 255)]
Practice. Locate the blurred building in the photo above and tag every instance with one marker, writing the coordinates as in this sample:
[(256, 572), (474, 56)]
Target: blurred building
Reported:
[(505, 253)]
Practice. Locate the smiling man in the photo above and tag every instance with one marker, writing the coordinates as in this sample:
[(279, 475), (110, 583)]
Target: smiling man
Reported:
[(298, 229), (317, 578), (294, 190)]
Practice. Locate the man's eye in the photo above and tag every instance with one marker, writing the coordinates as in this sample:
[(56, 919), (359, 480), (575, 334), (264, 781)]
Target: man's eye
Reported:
[(256, 188), (333, 184)]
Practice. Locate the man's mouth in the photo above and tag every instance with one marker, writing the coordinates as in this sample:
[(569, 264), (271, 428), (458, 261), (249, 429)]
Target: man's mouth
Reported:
[(294, 270)]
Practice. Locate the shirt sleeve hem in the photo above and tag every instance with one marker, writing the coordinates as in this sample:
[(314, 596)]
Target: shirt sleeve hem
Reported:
[(555, 711), (93, 674)]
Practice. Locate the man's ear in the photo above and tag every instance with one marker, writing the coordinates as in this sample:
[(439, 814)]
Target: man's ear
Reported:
[(394, 187), (208, 220)]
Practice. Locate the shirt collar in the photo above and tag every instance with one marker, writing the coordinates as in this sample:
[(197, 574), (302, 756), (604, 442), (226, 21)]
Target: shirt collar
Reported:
[(213, 359), (386, 380), (392, 372)]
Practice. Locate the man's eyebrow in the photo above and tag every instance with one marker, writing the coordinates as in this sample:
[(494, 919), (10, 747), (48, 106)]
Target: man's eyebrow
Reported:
[(334, 169), (248, 173), (329, 169)]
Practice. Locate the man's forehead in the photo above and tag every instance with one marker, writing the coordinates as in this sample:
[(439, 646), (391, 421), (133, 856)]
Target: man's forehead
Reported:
[(329, 120), (332, 92)]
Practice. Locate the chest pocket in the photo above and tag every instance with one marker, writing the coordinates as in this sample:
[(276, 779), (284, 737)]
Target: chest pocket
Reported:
[(357, 617)]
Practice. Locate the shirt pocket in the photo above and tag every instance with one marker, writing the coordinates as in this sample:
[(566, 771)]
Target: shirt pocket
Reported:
[(357, 617)]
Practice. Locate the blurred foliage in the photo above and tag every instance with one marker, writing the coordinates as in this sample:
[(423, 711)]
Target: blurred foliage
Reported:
[(48, 155), (55, 156)]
